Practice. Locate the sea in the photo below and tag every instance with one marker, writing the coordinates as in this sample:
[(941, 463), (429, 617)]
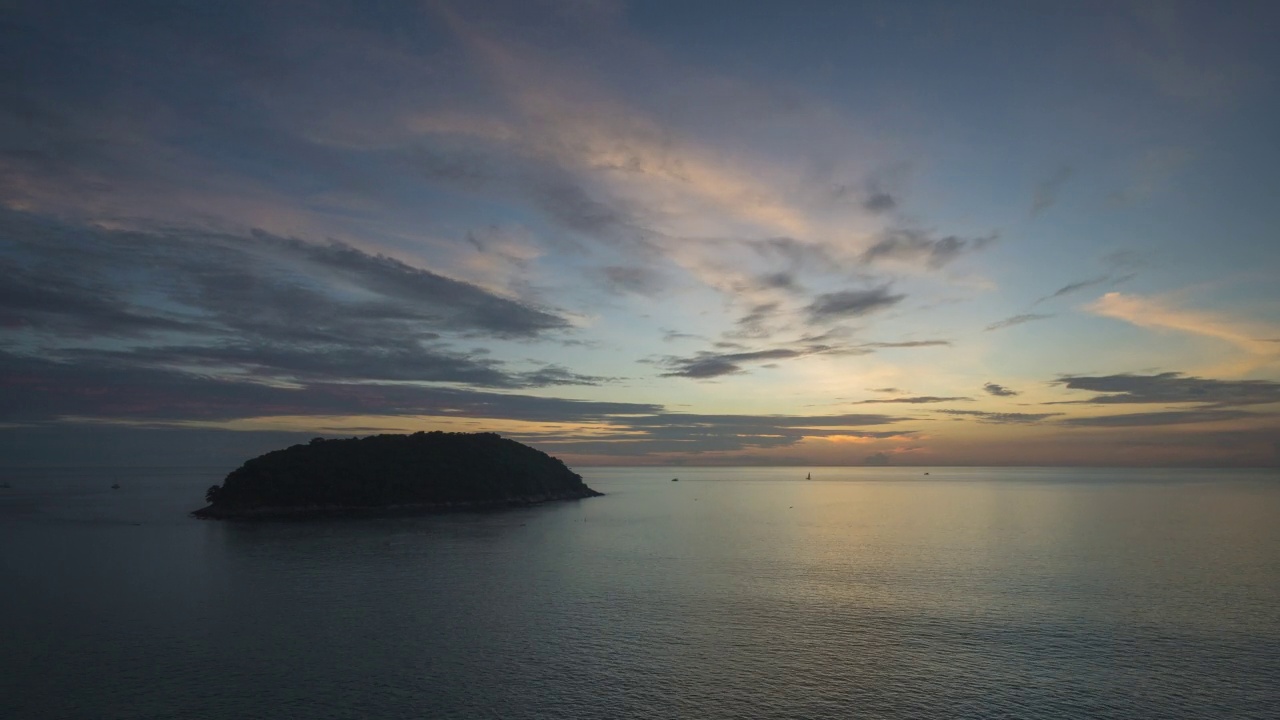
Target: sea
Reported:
[(731, 593)]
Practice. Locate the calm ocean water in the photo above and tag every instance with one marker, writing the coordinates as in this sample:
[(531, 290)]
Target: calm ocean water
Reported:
[(734, 593)]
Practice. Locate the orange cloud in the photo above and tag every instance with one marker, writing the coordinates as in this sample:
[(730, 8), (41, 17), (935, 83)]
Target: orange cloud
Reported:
[(1160, 314)]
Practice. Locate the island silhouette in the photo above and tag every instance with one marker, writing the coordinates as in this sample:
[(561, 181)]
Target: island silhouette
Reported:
[(422, 472)]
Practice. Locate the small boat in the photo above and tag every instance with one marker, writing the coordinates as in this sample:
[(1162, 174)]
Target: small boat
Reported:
[(5, 486), (115, 486), (675, 479), (926, 473), (809, 476)]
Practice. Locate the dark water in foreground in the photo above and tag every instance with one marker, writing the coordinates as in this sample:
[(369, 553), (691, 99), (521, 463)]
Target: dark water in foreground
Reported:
[(735, 593)]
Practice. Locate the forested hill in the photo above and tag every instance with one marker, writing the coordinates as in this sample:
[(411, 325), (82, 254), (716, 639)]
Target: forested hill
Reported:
[(425, 471)]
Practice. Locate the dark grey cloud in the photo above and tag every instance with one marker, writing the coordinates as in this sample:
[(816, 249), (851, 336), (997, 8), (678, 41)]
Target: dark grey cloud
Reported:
[(1047, 190), (46, 394), (999, 390), (1016, 320), (1001, 418), (908, 344), (255, 277), (715, 364), (260, 304), (755, 323), (919, 400), (879, 202), (872, 197), (776, 281), (920, 246), (1079, 285), (852, 303), (263, 360), (36, 390), (574, 207), (1173, 387), (76, 307), (1170, 417), (710, 365), (1075, 287), (549, 375)]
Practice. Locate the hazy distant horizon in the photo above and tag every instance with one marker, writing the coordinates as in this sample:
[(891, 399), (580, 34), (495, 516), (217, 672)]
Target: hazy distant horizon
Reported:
[(228, 449)]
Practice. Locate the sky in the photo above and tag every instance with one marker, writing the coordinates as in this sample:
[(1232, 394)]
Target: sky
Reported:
[(647, 232)]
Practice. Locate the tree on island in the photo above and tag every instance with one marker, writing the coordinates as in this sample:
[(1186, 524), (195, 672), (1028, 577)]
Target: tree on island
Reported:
[(428, 470)]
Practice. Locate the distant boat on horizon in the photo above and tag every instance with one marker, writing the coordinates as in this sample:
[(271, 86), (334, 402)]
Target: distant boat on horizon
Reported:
[(675, 479), (4, 486), (115, 486), (809, 476)]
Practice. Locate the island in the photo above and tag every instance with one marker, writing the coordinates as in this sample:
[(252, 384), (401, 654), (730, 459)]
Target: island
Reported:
[(381, 474)]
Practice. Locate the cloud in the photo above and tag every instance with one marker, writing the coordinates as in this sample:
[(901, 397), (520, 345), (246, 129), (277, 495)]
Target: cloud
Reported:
[(405, 362), (63, 397), (885, 390), (879, 202), (755, 323), (549, 375), (1047, 191), (683, 433), (775, 281), (852, 303), (1172, 387), (1001, 418), (500, 124), (999, 390), (248, 280), (916, 400), (706, 365), (1170, 417), (905, 245), (255, 304), (908, 344), (1160, 313), (1077, 286), (1016, 320), (38, 390)]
